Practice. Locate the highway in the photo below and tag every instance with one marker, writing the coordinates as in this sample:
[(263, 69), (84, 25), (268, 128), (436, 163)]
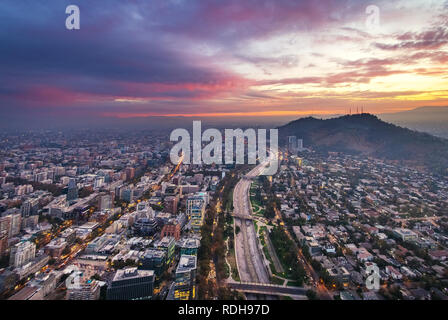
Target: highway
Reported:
[(249, 258), (267, 289), (250, 261)]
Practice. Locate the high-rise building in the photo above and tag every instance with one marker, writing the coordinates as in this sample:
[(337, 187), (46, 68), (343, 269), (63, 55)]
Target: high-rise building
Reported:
[(15, 223), (41, 176), (300, 145), (72, 193), (22, 253), (184, 288), (55, 248), (30, 222), (5, 224), (26, 209), (130, 173), (292, 144), (29, 207), (170, 203), (88, 290), (131, 284), (98, 183), (106, 202), (167, 244), (154, 259), (127, 194), (3, 243), (196, 210), (189, 246), (145, 226)]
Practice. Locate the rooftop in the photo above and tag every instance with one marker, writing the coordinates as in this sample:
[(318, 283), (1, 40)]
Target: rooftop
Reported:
[(186, 263), (131, 273)]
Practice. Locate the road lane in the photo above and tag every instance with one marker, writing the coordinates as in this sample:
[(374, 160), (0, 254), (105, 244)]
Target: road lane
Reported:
[(250, 261)]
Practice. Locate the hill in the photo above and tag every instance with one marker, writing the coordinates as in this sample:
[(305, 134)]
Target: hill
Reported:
[(365, 134)]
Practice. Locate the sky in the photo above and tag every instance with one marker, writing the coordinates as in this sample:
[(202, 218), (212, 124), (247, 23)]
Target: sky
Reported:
[(221, 58)]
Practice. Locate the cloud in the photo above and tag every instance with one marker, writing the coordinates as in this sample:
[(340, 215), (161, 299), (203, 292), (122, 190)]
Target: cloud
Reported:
[(428, 40), (187, 56), (47, 64)]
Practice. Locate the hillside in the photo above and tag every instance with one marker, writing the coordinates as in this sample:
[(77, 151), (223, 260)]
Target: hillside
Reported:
[(367, 135)]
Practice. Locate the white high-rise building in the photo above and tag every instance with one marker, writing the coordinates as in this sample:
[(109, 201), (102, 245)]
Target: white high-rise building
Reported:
[(16, 224), (99, 182), (196, 209), (299, 145), (106, 202), (22, 253)]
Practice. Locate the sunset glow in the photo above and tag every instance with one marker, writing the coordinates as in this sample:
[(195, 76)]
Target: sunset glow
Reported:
[(217, 59)]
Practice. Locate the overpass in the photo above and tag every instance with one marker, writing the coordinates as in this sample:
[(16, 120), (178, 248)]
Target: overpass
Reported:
[(253, 217), (242, 217), (267, 288)]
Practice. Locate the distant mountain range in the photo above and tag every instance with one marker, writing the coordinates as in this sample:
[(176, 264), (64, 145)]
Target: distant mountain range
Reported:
[(367, 135), (433, 120)]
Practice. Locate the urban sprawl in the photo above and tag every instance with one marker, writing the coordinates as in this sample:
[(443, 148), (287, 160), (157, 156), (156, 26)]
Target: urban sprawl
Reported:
[(103, 215)]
